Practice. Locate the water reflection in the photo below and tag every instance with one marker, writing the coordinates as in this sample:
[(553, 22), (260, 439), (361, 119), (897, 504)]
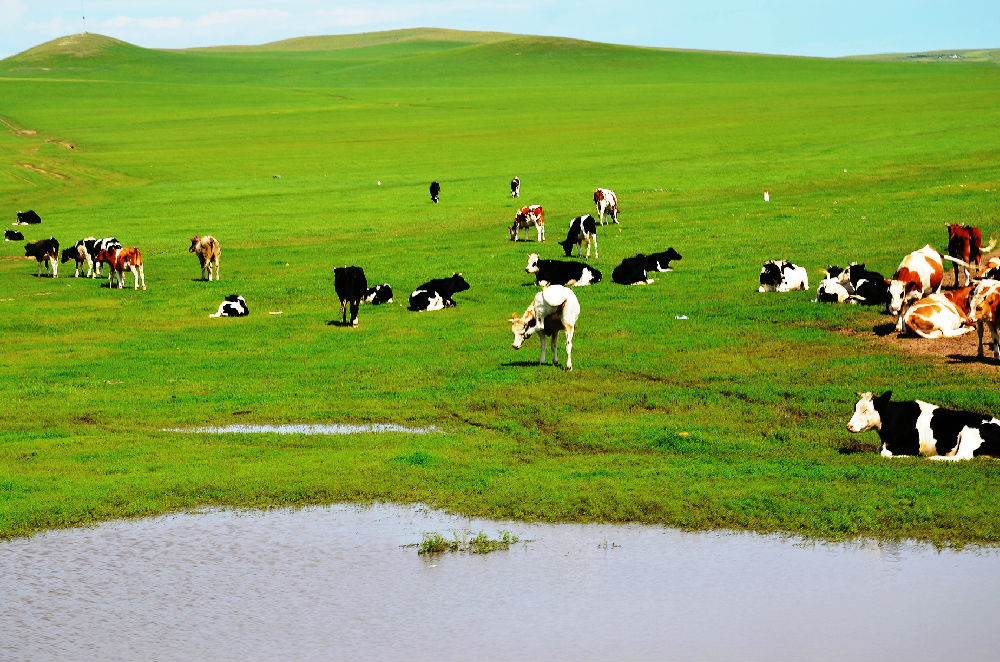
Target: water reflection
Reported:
[(333, 583)]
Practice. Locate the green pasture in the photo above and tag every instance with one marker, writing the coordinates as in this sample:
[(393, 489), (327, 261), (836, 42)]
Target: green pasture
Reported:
[(731, 418)]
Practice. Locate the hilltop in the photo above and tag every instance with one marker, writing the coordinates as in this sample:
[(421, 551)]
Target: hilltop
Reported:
[(80, 46)]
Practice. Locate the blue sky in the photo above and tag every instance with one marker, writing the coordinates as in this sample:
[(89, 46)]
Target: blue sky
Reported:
[(788, 27)]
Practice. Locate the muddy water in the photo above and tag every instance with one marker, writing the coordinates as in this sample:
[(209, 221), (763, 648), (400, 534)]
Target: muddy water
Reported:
[(337, 583)]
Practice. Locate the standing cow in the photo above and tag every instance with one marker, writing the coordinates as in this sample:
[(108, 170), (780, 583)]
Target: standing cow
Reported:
[(983, 309), (528, 216), (582, 229), (208, 251), (965, 242), (435, 192), (81, 254), (607, 203), (120, 260), (351, 286), (554, 309), (45, 251), (515, 188)]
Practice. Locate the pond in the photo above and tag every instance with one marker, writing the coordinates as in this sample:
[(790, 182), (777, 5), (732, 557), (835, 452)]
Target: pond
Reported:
[(345, 582)]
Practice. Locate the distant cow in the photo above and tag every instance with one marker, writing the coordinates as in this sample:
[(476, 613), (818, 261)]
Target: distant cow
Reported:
[(351, 286), (965, 242), (208, 251), (983, 312), (233, 306), (782, 276), (437, 294), (632, 271), (915, 427), (556, 272), (80, 254), (940, 315), (435, 191), (109, 244), (379, 294), (45, 251), (120, 260), (607, 203), (515, 188), (582, 229), (12, 235), (27, 218), (661, 261), (528, 216), (554, 309)]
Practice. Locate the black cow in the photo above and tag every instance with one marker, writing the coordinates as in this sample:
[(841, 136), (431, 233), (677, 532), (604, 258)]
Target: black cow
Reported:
[(870, 287), (379, 294), (351, 286), (556, 272), (661, 261), (80, 252), (581, 229), (44, 251), (915, 427), (437, 294), (12, 235), (435, 191), (28, 217), (515, 188), (233, 306), (631, 271)]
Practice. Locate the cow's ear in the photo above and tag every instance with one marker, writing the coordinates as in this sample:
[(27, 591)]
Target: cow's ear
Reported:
[(885, 397)]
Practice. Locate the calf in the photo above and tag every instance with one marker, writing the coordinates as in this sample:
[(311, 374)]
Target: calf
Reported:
[(525, 217), (12, 235), (27, 218), (379, 294), (983, 312), (631, 271), (965, 242), (582, 229), (919, 274), (435, 192), (437, 294), (208, 251), (45, 251), (554, 272), (515, 188), (554, 309), (782, 276), (233, 306), (351, 286), (606, 202), (80, 255), (661, 261), (915, 427), (941, 315), (109, 244), (120, 260)]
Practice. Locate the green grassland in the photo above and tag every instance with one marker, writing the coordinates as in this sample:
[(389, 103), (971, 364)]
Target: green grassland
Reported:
[(732, 418)]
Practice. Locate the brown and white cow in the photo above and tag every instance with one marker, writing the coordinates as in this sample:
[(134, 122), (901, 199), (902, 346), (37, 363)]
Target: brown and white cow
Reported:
[(965, 242), (528, 216), (119, 261), (919, 274), (606, 202), (940, 315), (554, 309), (208, 251), (983, 312)]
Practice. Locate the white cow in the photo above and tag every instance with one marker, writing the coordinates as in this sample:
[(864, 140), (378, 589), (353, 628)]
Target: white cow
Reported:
[(554, 309)]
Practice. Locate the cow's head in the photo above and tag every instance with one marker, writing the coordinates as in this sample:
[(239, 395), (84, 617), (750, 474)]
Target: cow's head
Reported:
[(523, 327), (195, 240), (985, 298), (866, 414), (532, 267), (672, 254), (770, 275), (70, 254), (902, 293), (567, 247), (458, 283)]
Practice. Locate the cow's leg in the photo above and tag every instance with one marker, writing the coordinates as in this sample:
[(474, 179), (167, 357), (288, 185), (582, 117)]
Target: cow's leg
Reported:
[(343, 311), (541, 338), (354, 312), (55, 266), (142, 276), (996, 340), (555, 348), (216, 270), (569, 345), (541, 232)]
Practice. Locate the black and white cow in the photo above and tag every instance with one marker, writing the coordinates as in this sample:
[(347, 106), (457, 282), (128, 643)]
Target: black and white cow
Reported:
[(556, 272), (661, 261), (782, 276), (80, 253), (12, 235), (515, 188), (27, 218), (437, 294), (379, 294), (351, 286), (435, 191), (914, 427), (870, 287), (45, 251), (631, 271), (582, 229), (233, 306), (109, 244)]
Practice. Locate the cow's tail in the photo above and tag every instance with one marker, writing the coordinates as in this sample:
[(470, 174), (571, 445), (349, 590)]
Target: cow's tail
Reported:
[(955, 259), (989, 247)]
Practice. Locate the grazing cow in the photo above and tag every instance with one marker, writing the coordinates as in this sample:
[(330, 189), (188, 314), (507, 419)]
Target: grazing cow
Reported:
[(379, 294), (208, 251), (915, 427), (606, 202), (525, 217), (45, 251), (919, 274), (940, 315), (437, 294), (109, 244), (80, 253), (983, 312), (351, 286), (515, 188), (27, 218), (782, 276), (965, 242), (661, 261), (233, 306), (555, 272), (582, 229), (435, 191), (120, 260), (554, 309), (12, 235), (632, 271)]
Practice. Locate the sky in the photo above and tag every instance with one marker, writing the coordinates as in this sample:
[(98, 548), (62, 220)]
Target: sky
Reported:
[(819, 28)]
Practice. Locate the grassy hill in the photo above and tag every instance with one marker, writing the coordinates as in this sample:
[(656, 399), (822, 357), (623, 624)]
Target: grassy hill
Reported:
[(695, 402)]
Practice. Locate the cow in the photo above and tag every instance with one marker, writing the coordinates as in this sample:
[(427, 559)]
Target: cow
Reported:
[(870, 287), (45, 251), (109, 244), (582, 229), (80, 253), (12, 235), (435, 192), (914, 427), (983, 312), (527, 216), (351, 287), (919, 274), (940, 315), (632, 271), (208, 251), (834, 288), (120, 260), (965, 242), (606, 202), (233, 306), (990, 270), (782, 276), (555, 272), (379, 294), (661, 261), (554, 309), (515, 188), (27, 218), (437, 294)]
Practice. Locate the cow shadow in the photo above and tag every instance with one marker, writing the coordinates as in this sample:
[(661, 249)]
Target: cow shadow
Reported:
[(340, 323), (529, 364), (853, 449), (971, 359), (883, 330)]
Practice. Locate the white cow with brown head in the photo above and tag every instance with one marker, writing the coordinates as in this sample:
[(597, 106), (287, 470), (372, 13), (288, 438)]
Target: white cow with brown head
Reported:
[(208, 252), (554, 309)]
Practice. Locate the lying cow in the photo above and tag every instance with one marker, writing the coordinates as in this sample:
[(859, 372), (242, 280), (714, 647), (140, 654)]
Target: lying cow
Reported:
[(782, 276), (983, 312), (965, 242), (990, 270), (582, 229), (915, 427), (233, 306), (632, 271), (120, 260), (855, 284), (437, 294), (526, 217), (919, 274), (554, 309), (351, 287), (109, 244), (27, 218), (555, 272), (12, 235), (515, 188), (661, 261), (80, 254), (208, 251), (940, 315), (606, 202), (379, 294), (435, 192), (45, 251)]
